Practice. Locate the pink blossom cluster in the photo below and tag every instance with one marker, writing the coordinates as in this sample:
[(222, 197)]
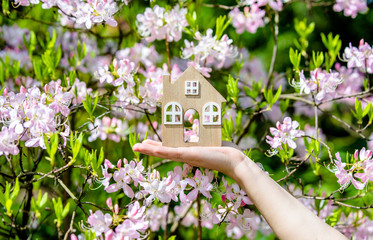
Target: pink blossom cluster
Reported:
[(83, 13), (352, 83), (351, 7), (113, 129), (140, 54), (284, 133), (253, 15), (133, 226), (209, 51), (157, 23), (250, 19), (152, 186), (148, 93), (179, 184), (320, 83), (362, 169), (123, 71), (361, 57), (31, 113)]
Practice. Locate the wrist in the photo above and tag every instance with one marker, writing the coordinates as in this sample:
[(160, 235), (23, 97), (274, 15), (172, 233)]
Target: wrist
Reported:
[(242, 168)]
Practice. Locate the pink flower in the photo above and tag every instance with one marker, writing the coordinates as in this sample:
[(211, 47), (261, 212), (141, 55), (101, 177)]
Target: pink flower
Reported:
[(104, 75), (129, 229), (240, 224), (158, 189), (122, 180), (135, 170), (321, 83), (344, 177), (113, 129), (125, 71), (209, 51), (350, 7), (140, 53), (8, 142), (361, 58), (99, 222), (157, 23), (150, 24), (135, 211), (251, 19), (200, 183), (157, 217), (284, 134), (235, 195)]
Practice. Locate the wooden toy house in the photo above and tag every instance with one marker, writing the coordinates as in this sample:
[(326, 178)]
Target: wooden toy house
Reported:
[(190, 91)]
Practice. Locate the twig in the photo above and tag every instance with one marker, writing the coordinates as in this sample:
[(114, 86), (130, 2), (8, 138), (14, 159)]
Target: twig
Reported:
[(168, 56), (176, 225), (274, 52), (199, 216), (294, 170), (151, 124)]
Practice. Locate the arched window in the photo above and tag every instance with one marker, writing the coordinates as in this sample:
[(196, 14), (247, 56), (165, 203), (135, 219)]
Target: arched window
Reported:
[(173, 113), (211, 114)]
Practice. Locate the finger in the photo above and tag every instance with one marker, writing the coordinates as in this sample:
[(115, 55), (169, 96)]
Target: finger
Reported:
[(152, 142)]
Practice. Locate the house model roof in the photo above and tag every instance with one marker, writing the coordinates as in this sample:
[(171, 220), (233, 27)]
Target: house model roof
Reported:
[(173, 91)]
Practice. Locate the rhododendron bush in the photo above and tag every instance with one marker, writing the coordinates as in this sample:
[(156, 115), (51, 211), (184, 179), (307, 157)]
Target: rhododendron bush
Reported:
[(80, 82)]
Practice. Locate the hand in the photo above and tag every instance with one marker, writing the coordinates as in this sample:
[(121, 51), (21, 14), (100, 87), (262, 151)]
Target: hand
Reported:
[(223, 159)]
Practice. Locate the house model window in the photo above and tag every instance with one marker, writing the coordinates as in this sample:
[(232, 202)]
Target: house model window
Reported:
[(173, 113), (211, 114), (191, 88)]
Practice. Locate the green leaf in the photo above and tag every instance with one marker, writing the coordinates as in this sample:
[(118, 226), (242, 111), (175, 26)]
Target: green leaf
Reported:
[(43, 200), (5, 7), (2, 73), (295, 58), (133, 138), (317, 59), (37, 64), (75, 144), (51, 147), (15, 190), (8, 206), (268, 95), (277, 95), (66, 210), (232, 89), (284, 104), (221, 25), (228, 129), (333, 218)]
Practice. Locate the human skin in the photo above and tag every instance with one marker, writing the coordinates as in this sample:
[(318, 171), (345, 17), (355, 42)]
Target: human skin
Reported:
[(288, 217)]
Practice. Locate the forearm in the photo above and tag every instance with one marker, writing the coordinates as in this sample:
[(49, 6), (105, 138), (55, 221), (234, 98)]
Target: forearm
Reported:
[(288, 218)]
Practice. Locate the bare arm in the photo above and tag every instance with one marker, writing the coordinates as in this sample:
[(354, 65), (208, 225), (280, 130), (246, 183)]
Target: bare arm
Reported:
[(288, 218)]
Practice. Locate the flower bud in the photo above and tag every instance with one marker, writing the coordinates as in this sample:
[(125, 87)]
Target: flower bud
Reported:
[(73, 237), (106, 121), (23, 89), (116, 208), (119, 164), (109, 203)]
